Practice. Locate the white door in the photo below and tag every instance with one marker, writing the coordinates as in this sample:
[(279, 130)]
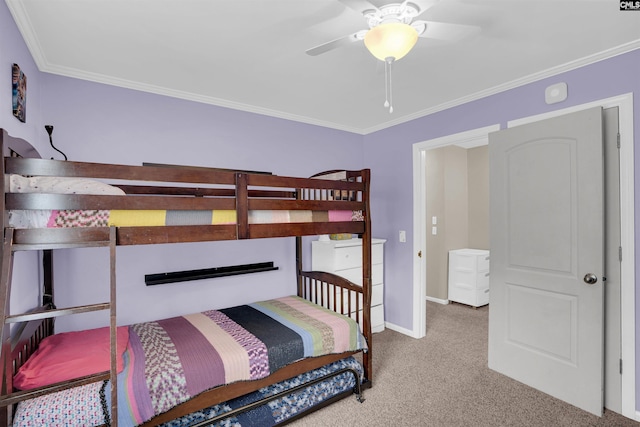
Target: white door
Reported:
[(547, 266)]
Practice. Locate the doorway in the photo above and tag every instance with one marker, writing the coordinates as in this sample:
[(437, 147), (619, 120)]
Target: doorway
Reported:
[(457, 192), (625, 104)]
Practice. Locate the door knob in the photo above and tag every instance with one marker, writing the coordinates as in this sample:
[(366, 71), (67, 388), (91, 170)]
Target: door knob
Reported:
[(590, 278)]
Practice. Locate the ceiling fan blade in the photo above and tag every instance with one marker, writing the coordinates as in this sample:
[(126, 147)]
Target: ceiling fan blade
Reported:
[(444, 31), (359, 5), (343, 41)]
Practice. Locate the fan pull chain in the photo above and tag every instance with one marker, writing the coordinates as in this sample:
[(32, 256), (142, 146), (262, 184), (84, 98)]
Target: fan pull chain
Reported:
[(388, 102)]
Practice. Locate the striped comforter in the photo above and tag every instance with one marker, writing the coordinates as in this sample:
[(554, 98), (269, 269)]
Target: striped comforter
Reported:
[(169, 361), (151, 218)]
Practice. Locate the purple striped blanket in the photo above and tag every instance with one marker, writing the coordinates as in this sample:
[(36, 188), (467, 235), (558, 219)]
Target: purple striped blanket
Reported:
[(169, 361)]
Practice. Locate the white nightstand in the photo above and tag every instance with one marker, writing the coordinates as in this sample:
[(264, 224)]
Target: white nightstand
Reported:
[(469, 276)]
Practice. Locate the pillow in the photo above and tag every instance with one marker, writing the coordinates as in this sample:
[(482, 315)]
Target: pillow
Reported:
[(70, 355), (61, 185)]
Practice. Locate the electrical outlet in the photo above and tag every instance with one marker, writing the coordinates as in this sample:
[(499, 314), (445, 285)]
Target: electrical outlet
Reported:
[(403, 236)]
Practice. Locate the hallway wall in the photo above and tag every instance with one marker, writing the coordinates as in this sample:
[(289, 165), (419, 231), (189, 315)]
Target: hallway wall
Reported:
[(457, 192)]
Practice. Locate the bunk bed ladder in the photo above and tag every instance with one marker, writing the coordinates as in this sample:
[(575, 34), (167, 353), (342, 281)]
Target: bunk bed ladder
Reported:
[(8, 396), (5, 296)]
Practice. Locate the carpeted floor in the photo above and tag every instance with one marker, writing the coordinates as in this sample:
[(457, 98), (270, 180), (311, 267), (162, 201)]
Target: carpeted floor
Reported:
[(443, 380)]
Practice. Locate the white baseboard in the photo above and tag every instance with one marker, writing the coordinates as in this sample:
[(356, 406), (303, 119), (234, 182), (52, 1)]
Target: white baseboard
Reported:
[(400, 329), (409, 332), (437, 300)]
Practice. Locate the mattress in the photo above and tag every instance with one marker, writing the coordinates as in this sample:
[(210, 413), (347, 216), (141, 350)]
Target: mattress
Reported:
[(283, 408), (167, 362), (149, 218), (137, 218)]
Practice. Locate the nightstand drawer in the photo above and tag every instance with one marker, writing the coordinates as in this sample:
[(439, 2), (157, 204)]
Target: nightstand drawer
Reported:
[(470, 278), (471, 259), (469, 296)]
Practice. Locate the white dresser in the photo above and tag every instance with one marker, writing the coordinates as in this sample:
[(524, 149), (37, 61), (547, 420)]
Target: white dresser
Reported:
[(469, 276), (344, 258)]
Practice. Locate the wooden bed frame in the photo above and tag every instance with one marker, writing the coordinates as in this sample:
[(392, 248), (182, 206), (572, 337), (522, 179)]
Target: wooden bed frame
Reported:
[(164, 187)]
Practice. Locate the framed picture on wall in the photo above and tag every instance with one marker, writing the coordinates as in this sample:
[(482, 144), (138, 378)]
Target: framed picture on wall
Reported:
[(19, 92)]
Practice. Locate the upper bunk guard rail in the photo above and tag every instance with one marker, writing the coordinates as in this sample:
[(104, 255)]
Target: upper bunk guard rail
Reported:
[(152, 188), (43, 167), (182, 174)]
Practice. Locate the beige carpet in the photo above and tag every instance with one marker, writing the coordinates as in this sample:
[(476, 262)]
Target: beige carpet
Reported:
[(443, 380)]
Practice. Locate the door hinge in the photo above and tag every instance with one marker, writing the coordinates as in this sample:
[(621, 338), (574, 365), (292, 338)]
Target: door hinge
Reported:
[(620, 253), (618, 140), (620, 366)]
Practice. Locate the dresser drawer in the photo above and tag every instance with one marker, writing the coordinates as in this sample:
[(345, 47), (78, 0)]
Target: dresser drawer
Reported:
[(355, 274), (470, 259), (351, 256), (377, 298), (469, 296), (377, 319), (348, 257), (377, 294), (470, 278)]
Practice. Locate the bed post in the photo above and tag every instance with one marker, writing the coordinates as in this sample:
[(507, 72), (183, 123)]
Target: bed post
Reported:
[(299, 253), (299, 266), (5, 348), (366, 273), (3, 143), (242, 206)]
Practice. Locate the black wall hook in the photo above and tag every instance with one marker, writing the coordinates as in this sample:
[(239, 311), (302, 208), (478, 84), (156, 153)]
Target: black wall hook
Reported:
[(49, 130)]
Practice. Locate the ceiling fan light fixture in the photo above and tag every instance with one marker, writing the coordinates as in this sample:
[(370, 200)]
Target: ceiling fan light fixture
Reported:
[(391, 40)]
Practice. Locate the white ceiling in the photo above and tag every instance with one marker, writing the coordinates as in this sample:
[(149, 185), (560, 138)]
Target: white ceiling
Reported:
[(250, 54)]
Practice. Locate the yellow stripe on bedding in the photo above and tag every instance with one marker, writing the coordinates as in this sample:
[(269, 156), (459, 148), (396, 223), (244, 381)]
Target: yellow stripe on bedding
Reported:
[(137, 218), (223, 217)]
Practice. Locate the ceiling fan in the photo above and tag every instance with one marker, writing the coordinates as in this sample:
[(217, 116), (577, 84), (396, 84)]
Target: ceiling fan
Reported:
[(393, 31), (395, 17)]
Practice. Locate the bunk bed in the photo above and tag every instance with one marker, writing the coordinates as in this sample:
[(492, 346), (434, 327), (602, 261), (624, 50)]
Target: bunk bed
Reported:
[(235, 205)]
